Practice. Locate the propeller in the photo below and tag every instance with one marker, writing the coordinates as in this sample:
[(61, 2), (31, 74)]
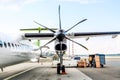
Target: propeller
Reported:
[(45, 27), (61, 32), (77, 43), (76, 25), (50, 41)]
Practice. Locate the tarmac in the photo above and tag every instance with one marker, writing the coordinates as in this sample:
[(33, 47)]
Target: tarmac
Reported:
[(40, 71), (111, 70), (45, 71)]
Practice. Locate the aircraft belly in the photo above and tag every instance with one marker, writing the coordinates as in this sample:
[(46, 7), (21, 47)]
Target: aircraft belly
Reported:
[(6, 60), (15, 52), (10, 57)]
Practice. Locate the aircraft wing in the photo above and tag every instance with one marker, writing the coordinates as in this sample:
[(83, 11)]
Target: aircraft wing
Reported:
[(41, 36), (93, 34), (48, 36)]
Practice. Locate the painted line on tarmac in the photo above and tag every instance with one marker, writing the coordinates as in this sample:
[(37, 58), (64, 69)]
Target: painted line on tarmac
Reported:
[(19, 73)]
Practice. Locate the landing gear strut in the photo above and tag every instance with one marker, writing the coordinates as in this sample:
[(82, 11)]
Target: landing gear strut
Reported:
[(60, 65), (59, 68)]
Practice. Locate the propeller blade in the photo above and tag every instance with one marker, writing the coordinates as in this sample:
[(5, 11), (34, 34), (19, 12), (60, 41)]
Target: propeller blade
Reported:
[(77, 43), (50, 41), (59, 17), (45, 27), (76, 25)]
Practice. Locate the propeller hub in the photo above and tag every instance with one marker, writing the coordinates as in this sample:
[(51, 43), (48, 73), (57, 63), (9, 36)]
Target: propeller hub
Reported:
[(61, 35)]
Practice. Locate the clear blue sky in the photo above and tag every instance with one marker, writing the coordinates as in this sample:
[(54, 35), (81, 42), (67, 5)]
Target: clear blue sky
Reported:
[(102, 15)]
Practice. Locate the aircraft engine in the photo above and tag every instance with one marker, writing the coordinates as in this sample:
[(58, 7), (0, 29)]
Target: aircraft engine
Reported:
[(59, 47)]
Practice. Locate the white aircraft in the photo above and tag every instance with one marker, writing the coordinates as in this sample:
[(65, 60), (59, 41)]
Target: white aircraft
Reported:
[(19, 50), (15, 51), (61, 36)]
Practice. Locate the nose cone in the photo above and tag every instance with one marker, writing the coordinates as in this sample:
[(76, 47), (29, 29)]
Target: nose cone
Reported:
[(60, 37)]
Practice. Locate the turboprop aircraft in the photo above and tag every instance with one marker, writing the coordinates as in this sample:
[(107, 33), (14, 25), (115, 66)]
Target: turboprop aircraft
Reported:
[(61, 36), (13, 51), (16, 50)]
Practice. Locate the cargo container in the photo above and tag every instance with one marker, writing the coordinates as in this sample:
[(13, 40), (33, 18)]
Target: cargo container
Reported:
[(97, 60)]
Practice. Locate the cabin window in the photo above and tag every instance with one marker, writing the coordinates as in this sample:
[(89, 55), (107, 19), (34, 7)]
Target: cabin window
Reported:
[(15, 45), (18, 45), (5, 44), (1, 44), (9, 44), (12, 45)]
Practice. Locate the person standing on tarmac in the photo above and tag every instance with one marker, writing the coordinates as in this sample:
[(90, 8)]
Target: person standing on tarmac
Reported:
[(90, 61), (93, 63)]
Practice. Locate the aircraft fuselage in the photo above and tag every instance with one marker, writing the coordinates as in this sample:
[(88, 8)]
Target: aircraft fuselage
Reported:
[(13, 52)]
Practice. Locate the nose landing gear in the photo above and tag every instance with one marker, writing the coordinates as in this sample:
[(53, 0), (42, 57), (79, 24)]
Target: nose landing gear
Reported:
[(59, 68)]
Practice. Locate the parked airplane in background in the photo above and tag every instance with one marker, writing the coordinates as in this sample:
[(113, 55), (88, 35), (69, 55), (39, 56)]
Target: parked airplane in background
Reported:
[(61, 36)]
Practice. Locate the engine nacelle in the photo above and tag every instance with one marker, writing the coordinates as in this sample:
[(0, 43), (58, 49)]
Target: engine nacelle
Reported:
[(60, 47)]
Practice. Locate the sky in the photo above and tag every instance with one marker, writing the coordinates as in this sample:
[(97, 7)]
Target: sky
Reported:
[(101, 15)]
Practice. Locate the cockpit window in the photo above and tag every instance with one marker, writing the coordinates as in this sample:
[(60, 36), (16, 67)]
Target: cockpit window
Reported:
[(1, 44)]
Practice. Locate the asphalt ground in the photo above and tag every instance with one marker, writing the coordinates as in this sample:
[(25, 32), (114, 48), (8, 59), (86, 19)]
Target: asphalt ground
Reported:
[(111, 70), (43, 71)]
